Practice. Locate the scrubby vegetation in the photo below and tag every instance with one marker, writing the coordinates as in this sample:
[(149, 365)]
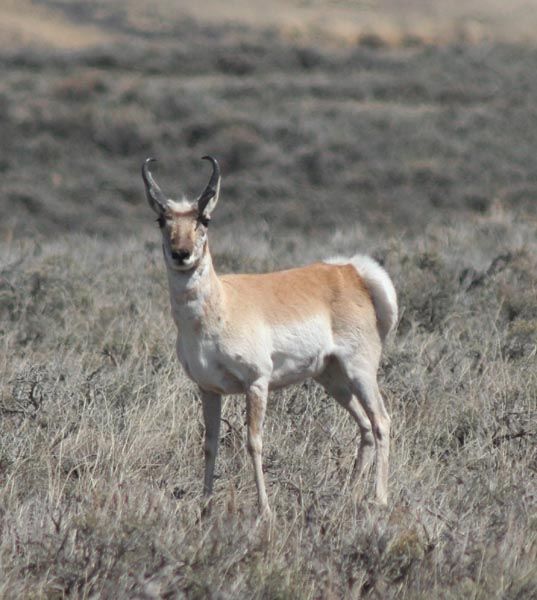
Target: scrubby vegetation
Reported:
[(101, 445), (423, 156)]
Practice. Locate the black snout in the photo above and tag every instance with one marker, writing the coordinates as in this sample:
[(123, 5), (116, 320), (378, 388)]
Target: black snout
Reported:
[(181, 255)]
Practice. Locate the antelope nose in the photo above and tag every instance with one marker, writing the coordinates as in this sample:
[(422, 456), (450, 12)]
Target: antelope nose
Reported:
[(181, 255)]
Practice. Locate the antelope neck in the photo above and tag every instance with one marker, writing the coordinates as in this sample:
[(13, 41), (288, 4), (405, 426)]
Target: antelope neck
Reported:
[(195, 293)]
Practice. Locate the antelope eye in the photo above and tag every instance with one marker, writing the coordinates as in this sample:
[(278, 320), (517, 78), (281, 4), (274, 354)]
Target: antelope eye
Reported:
[(204, 220)]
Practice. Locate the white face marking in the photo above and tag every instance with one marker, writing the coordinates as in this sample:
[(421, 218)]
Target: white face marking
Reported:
[(183, 235), (182, 205)]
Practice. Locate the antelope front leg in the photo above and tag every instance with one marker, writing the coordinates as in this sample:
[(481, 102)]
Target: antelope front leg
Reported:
[(256, 404), (212, 407)]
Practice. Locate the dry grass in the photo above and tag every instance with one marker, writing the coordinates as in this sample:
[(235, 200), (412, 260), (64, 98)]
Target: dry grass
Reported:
[(424, 156), (101, 436)]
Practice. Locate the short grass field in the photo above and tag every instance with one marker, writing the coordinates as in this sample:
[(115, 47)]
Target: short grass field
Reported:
[(421, 153)]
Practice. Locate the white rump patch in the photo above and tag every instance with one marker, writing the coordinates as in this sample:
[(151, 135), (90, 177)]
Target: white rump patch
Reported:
[(380, 286)]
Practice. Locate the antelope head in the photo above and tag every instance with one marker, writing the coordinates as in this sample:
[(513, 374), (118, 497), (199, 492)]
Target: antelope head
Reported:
[(183, 223)]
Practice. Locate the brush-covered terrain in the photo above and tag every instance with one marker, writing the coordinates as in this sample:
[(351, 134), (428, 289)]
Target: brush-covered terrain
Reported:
[(422, 155)]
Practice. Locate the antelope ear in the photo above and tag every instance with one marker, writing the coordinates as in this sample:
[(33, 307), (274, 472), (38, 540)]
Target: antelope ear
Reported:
[(155, 196), (209, 197)]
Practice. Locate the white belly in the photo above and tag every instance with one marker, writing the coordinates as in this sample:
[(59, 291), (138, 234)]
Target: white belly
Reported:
[(283, 355), (299, 351)]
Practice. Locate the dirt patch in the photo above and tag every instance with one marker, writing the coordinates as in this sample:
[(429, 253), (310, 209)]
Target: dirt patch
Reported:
[(22, 23), (63, 24), (379, 22)]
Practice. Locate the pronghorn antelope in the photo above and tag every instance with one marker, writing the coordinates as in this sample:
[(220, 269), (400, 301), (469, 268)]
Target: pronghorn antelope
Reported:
[(253, 333)]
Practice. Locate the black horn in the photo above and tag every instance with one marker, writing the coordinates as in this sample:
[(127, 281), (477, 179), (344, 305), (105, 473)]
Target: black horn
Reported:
[(213, 187), (155, 196)]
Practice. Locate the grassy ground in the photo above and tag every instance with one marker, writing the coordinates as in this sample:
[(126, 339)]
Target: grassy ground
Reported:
[(422, 155)]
